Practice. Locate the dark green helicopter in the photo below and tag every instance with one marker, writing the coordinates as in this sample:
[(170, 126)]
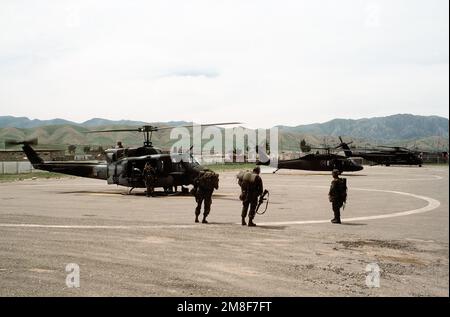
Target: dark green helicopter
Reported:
[(124, 166), (394, 155), (314, 162)]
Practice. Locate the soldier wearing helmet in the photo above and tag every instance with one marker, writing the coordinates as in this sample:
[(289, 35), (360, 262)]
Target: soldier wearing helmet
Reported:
[(337, 195), (251, 188)]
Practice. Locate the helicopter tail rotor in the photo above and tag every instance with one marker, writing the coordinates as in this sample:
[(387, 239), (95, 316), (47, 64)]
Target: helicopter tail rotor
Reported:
[(343, 144), (345, 147)]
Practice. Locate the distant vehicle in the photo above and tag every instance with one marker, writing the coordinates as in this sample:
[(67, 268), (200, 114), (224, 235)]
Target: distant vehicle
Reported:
[(385, 155), (314, 162), (124, 166)]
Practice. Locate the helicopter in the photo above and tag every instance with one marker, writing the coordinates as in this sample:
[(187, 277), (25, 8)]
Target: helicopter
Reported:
[(315, 162), (124, 166), (393, 155)]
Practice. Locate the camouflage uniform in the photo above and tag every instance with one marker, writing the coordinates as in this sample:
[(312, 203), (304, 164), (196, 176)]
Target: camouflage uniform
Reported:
[(250, 193), (204, 186), (149, 179), (336, 197)]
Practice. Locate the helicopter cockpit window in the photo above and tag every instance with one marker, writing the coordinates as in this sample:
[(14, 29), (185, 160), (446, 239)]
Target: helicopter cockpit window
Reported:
[(110, 157), (186, 158), (194, 161)]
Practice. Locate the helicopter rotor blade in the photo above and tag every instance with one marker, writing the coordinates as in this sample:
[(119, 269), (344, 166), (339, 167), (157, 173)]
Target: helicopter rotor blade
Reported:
[(389, 147), (114, 130), (149, 128), (24, 142), (320, 148), (199, 125)]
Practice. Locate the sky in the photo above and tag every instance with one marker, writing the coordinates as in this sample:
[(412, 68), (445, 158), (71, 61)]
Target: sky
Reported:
[(261, 62)]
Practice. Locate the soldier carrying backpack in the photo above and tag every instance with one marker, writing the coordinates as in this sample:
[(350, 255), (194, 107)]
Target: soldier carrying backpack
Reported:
[(204, 186), (251, 188), (337, 195)]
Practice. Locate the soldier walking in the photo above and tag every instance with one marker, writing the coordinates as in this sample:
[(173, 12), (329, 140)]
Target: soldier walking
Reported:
[(337, 195), (204, 186), (251, 188)]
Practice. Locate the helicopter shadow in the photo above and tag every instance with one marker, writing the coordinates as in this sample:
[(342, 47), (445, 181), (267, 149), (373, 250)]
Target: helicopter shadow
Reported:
[(353, 175), (122, 193), (94, 192)]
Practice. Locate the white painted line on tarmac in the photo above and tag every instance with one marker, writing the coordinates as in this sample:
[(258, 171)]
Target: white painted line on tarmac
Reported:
[(31, 225)]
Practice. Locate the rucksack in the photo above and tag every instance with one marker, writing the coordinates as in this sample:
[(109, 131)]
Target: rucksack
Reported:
[(341, 189), (208, 180), (245, 178)]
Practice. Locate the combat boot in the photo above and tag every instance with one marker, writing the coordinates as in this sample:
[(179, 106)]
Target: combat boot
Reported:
[(243, 221), (196, 219), (251, 223), (336, 219), (204, 220)]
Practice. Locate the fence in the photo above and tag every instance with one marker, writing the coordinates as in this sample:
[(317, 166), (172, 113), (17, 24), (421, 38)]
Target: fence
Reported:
[(15, 167)]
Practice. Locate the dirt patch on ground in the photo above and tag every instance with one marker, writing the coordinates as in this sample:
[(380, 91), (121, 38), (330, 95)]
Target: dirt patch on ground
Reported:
[(389, 244)]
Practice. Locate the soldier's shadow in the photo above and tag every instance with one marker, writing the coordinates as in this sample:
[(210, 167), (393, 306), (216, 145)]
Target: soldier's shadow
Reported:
[(271, 227), (353, 224), (237, 224)]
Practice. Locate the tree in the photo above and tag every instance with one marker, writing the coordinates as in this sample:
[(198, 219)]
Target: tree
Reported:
[(304, 147), (86, 149), (71, 149)]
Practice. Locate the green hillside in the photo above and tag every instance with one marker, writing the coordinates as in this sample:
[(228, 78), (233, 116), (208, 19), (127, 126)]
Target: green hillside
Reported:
[(425, 133)]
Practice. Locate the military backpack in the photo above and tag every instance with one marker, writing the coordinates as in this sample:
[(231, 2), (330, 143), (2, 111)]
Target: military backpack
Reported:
[(341, 189), (208, 180)]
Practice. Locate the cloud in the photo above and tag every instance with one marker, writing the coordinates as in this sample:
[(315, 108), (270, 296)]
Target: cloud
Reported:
[(260, 62), (193, 73)]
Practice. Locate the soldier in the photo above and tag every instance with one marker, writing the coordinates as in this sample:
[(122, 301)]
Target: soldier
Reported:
[(251, 187), (204, 186), (149, 174), (119, 145), (337, 195)]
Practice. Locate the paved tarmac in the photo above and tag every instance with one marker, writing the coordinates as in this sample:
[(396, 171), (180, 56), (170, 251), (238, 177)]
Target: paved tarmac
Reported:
[(396, 220)]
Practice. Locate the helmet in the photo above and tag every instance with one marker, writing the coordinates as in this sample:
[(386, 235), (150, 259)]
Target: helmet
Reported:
[(257, 170)]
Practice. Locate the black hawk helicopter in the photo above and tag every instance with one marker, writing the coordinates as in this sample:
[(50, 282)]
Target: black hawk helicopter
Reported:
[(315, 162), (124, 166), (394, 155)]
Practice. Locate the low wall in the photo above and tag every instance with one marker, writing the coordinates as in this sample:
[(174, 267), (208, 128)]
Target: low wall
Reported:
[(15, 167)]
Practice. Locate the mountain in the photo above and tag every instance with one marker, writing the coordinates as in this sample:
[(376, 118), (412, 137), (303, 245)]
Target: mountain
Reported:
[(381, 129), (26, 123), (97, 122), (426, 133)]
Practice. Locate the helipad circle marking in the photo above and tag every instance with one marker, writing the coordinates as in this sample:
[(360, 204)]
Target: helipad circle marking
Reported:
[(432, 204)]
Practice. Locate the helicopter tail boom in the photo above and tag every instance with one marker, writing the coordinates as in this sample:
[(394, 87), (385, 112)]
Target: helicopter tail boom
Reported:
[(263, 159), (32, 156)]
